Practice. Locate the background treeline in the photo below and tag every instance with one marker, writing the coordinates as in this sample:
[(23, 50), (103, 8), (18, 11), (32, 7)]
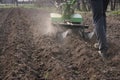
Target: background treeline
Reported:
[(83, 5)]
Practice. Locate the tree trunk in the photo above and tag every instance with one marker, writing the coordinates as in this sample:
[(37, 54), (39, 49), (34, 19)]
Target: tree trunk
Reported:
[(83, 5), (78, 4), (29, 1), (113, 4), (0, 1), (16, 2)]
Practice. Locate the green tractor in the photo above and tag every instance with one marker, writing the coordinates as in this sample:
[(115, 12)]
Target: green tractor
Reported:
[(67, 18)]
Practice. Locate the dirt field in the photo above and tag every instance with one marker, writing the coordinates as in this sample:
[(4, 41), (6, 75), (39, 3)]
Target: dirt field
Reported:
[(30, 51)]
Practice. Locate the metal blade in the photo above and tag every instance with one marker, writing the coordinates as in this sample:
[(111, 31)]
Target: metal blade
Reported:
[(62, 35)]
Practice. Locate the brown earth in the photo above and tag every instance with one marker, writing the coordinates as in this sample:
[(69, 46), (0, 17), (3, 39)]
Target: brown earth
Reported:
[(30, 51)]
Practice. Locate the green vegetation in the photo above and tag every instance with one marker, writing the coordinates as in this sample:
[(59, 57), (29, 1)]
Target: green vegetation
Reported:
[(53, 9), (29, 6), (7, 6), (20, 5), (116, 12)]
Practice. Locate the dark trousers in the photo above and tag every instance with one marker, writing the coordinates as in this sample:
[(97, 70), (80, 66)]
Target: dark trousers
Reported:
[(99, 8)]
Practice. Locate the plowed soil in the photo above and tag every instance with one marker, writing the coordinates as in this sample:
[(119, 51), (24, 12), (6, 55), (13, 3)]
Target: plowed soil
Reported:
[(29, 49)]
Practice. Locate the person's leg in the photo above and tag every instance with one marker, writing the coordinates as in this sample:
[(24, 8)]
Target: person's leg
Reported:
[(105, 4), (99, 21)]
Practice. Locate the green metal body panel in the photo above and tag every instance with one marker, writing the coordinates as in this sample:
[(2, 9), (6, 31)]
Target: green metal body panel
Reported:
[(57, 18), (67, 13), (77, 18)]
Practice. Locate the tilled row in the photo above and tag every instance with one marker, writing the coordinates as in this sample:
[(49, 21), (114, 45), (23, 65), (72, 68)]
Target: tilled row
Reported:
[(27, 54), (17, 48)]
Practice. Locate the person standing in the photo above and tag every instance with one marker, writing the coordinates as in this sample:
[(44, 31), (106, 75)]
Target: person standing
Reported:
[(99, 8)]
